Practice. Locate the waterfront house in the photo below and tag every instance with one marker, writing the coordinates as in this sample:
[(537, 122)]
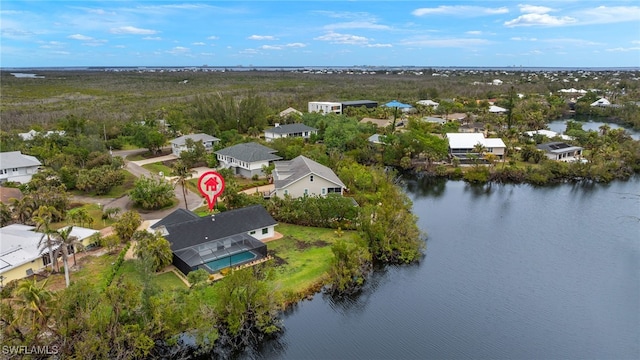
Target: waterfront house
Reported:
[(20, 255), (289, 130), (462, 144), (304, 177), (218, 241), (602, 102), (429, 103), (17, 167), (561, 151), (246, 159), (179, 145)]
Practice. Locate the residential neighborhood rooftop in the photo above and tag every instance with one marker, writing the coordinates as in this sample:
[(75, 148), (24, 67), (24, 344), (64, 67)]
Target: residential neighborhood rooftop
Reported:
[(249, 152), (288, 172), (291, 128)]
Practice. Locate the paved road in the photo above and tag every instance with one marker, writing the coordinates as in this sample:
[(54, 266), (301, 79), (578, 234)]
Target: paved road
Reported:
[(124, 203)]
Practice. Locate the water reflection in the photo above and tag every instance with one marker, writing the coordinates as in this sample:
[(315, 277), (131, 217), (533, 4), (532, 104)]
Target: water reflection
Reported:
[(425, 186)]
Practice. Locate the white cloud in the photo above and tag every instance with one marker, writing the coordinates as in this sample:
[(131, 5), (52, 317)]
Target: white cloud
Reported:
[(379, 45), (621, 49), (213, 37), (357, 25), (460, 10), (540, 20), (474, 32), (200, 43), (296, 45), (132, 30), (336, 38), (271, 47), (261, 37), (154, 38), (533, 9), (95, 42), (80, 37), (344, 14), (61, 52), (517, 38), (609, 15), (179, 50)]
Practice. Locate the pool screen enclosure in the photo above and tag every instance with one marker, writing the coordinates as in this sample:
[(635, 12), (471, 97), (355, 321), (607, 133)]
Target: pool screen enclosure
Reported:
[(216, 255)]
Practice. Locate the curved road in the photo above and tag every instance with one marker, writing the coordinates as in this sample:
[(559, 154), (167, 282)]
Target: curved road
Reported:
[(124, 203)]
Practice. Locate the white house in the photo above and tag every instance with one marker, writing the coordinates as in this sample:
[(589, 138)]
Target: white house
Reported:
[(14, 166), (561, 151), (290, 111), (496, 82), (179, 145), (548, 133), (602, 102), (303, 176), (429, 103), (497, 109), (462, 144), (289, 130), (246, 159), (20, 255), (29, 135), (325, 107)]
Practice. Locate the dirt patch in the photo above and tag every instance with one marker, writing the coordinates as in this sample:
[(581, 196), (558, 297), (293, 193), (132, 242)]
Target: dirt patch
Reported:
[(277, 260), (320, 243), (301, 245)]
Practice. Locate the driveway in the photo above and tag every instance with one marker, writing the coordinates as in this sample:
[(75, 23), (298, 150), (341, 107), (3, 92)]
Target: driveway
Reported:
[(124, 203)]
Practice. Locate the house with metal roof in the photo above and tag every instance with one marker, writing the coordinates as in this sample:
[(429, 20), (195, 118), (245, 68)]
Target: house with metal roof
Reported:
[(561, 151), (17, 167), (219, 241), (179, 145), (21, 255), (305, 177), (246, 159), (289, 130), (462, 144), (290, 111)]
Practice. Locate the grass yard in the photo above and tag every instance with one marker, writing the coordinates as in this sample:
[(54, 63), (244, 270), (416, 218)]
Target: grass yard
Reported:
[(92, 268), (156, 168), (166, 282), (306, 257)]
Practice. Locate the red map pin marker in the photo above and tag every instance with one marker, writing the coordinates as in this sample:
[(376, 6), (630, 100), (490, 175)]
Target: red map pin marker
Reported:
[(211, 185)]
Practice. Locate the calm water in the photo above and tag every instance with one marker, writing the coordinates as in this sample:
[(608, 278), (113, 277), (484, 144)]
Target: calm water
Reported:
[(560, 126), (511, 272)]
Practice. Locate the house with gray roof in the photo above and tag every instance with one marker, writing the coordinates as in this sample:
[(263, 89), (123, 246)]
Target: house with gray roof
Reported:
[(246, 159), (17, 167), (289, 130), (305, 177), (212, 243), (561, 151), (179, 145)]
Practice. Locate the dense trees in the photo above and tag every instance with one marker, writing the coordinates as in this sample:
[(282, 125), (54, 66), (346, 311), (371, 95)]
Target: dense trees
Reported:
[(153, 248), (151, 193)]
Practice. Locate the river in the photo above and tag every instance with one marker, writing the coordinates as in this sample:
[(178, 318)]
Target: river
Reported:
[(511, 272)]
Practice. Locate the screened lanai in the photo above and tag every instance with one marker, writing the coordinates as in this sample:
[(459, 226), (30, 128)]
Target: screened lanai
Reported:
[(216, 255)]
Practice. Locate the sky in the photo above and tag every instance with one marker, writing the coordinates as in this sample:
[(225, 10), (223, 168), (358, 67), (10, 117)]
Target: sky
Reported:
[(558, 33)]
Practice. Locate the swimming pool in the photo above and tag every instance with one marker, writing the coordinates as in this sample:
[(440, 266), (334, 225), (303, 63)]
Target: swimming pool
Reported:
[(229, 261)]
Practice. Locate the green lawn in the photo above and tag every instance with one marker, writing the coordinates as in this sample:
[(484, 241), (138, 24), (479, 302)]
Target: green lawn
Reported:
[(307, 253), (156, 168)]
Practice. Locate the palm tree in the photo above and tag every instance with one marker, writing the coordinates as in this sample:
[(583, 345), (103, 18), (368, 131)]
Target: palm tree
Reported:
[(64, 240), (5, 214), (23, 208), (43, 217), (34, 300), (183, 174), (480, 150)]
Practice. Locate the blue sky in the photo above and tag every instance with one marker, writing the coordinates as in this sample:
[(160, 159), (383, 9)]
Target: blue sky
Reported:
[(320, 33)]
